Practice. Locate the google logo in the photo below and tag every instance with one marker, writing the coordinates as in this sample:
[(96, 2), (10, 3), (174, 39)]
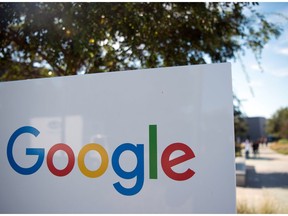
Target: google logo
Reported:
[(138, 150)]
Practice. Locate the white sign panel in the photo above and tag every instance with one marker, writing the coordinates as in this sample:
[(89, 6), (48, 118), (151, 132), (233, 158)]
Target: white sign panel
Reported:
[(145, 141)]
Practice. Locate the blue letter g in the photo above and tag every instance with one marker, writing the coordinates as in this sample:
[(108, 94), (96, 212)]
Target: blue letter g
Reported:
[(29, 151)]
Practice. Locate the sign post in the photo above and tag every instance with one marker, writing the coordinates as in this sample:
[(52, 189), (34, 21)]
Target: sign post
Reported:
[(145, 141)]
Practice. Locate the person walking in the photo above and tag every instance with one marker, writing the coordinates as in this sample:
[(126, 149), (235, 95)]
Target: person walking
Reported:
[(255, 147), (247, 148)]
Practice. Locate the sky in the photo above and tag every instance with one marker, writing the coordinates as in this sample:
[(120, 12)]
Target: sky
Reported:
[(267, 90)]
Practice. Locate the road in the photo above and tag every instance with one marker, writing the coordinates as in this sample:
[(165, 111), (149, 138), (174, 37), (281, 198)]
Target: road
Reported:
[(266, 182)]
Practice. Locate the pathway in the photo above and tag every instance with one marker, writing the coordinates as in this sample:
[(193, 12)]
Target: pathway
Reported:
[(266, 182)]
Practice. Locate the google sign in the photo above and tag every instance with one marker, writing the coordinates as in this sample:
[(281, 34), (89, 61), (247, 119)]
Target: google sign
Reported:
[(138, 150), (143, 141)]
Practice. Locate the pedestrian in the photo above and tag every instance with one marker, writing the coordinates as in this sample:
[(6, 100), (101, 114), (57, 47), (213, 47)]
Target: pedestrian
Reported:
[(247, 148), (255, 147)]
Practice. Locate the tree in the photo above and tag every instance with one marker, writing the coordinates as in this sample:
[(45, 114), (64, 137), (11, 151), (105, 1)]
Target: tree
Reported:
[(56, 39), (240, 125), (278, 124)]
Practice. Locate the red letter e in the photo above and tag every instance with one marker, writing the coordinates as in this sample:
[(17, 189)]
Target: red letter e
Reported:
[(167, 164)]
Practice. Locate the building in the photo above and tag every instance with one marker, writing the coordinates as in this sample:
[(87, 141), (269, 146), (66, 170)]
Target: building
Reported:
[(256, 127)]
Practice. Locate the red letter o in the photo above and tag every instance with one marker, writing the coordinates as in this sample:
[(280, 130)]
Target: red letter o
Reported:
[(71, 159)]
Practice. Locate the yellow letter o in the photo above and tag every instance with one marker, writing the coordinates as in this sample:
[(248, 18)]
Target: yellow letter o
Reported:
[(81, 160)]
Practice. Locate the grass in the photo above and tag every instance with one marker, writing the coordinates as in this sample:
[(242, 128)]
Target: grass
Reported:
[(283, 141), (267, 206), (244, 208), (281, 146)]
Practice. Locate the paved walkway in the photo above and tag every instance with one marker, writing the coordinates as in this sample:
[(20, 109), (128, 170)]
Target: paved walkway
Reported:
[(266, 182)]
